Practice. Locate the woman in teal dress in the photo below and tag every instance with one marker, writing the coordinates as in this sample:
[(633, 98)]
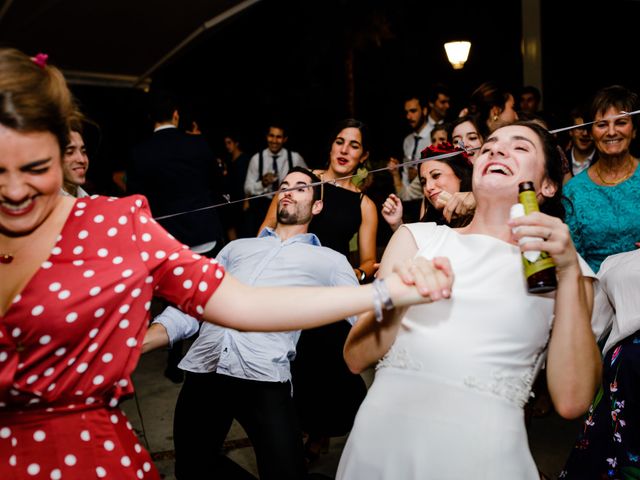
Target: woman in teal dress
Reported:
[(602, 201)]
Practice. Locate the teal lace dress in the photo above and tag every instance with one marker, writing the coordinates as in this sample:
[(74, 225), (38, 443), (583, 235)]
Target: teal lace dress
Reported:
[(603, 220)]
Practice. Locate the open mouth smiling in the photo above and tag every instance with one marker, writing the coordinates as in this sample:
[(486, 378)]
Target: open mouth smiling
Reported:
[(498, 168), (16, 209)]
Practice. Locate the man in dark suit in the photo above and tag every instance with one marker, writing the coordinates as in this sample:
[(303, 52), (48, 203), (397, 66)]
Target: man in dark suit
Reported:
[(177, 173)]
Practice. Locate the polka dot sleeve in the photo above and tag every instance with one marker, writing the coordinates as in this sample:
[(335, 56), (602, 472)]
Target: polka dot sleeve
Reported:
[(180, 276)]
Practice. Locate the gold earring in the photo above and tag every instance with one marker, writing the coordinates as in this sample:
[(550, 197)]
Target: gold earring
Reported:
[(495, 118)]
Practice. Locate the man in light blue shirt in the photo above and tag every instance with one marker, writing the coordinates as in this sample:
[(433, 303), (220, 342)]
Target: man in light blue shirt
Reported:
[(246, 375)]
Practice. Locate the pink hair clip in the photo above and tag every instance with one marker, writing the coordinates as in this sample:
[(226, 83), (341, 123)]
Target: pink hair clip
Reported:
[(40, 60)]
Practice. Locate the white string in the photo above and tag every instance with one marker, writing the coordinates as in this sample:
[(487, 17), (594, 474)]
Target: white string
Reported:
[(382, 169), (582, 125), (313, 184)]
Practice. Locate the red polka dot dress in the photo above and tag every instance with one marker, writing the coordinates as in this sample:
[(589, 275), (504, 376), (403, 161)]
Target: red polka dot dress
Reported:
[(71, 339)]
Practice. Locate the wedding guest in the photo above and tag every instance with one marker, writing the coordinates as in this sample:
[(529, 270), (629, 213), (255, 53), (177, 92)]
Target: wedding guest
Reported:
[(453, 377), (602, 201), (608, 445), (78, 278)]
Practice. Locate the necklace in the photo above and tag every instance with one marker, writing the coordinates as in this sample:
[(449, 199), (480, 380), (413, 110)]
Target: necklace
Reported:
[(617, 180), (8, 257)]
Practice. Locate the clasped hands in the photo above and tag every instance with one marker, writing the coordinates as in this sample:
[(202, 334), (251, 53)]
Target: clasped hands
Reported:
[(420, 280)]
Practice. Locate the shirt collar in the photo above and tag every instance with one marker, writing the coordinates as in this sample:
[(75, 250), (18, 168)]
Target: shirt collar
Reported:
[(163, 127), (424, 132), (588, 160), (431, 122), (309, 238), (81, 193)]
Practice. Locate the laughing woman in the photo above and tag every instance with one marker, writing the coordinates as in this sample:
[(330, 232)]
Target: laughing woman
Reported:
[(78, 276), (453, 377)]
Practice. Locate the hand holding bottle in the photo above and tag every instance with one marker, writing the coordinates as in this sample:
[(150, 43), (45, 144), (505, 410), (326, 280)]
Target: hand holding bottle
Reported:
[(546, 233)]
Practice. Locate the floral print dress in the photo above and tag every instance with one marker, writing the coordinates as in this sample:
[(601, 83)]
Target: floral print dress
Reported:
[(609, 445)]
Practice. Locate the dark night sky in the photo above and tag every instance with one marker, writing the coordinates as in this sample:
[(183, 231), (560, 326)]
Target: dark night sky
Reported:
[(286, 58)]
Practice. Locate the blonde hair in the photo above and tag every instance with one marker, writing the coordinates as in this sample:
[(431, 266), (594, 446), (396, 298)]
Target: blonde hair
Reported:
[(34, 97)]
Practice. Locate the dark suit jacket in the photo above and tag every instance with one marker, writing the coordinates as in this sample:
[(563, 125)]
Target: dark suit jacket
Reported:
[(177, 173), (567, 154)]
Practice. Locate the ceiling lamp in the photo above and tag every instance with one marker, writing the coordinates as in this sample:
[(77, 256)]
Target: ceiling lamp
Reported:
[(457, 53)]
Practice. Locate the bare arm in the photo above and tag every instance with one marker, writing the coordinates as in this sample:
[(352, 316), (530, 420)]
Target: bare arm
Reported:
[(369, 340), (259, 309), (574, 361), (176, 325), (155, 337), (367, 236), (574, 364)]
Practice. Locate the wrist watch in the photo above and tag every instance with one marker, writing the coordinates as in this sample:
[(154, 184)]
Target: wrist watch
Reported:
[(362, 275)]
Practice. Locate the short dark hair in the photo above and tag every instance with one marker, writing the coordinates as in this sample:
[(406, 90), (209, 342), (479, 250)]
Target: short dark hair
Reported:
[(416, 96), (532, 90), (441, 126), (614, 96), (473, 119), (163, 104), (317, 189), (578, 112), (278, 124), (437, 89)]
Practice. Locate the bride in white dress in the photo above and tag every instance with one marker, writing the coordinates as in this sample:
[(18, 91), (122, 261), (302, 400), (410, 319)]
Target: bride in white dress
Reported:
[(453, 376)]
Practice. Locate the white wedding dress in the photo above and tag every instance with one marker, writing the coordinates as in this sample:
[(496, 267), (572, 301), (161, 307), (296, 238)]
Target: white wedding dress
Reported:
[(447, 400)]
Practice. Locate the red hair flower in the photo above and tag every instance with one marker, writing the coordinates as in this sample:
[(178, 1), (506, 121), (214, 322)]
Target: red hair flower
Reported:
[(40, 60), (441, 149)]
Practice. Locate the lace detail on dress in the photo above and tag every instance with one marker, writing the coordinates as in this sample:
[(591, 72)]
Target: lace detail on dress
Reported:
[(516, 389), (398, 358)]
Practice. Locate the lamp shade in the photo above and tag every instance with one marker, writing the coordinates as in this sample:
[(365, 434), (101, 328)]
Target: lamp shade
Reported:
[(457, 53)]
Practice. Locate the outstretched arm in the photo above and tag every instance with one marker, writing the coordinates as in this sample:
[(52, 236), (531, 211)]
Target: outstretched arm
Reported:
[(243, 307)]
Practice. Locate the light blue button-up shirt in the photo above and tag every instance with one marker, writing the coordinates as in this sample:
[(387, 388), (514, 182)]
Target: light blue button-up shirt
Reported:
[(263, 261)]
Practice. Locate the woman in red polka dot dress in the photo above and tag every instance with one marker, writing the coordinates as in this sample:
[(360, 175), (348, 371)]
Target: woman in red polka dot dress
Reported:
[(77, 277)]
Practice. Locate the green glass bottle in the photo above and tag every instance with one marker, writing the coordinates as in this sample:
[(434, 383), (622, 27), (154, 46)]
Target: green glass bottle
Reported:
[(539, 268)]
